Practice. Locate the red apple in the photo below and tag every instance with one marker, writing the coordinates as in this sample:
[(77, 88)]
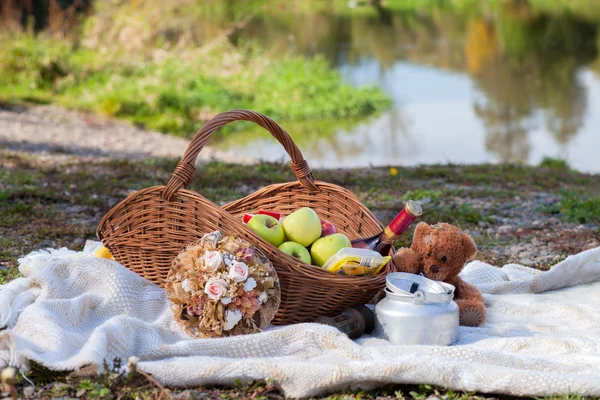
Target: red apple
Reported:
[(273, 214), (327, 228), (247, 217)]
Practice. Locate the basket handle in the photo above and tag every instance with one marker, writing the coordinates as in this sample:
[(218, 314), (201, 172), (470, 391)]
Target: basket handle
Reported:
[(187, 166)]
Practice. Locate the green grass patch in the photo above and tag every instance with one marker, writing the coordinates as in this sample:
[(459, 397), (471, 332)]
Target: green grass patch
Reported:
[(462, 215), (176, 95), (421, 194), (7, 275), (574, 207), (508, 176), (555, 163), (6, 255)]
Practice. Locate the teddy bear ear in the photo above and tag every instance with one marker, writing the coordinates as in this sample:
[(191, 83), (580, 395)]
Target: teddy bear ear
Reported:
[(421, 231), (469, 247)]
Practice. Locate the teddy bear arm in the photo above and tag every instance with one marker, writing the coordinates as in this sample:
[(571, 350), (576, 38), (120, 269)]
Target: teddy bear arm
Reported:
[(407, 260), (466, 291), (471, 304)]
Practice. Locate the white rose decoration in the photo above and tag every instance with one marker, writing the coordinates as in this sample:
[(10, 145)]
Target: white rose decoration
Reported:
[(238, 271), (212, 260), (215, 288)]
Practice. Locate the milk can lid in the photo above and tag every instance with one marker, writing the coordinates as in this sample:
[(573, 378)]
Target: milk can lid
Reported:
[(420, 288)]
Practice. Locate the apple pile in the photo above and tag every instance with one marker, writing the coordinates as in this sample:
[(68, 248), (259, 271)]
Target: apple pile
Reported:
[(297, 233)]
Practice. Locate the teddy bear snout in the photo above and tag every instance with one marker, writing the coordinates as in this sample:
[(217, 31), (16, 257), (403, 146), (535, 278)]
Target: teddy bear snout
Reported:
[(434, 269)]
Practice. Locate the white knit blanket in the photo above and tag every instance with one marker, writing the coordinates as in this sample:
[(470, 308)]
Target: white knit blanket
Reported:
[(542, 336)]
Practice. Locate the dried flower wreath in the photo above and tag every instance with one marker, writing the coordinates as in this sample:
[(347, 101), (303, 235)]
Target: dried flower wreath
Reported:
[(222, 286)]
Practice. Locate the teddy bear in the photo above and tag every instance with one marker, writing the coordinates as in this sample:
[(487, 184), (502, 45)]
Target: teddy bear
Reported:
[(440, 252)]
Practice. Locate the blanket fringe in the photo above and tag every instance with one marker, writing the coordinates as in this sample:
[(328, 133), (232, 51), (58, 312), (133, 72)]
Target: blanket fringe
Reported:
[(14, 297), (9, 355)]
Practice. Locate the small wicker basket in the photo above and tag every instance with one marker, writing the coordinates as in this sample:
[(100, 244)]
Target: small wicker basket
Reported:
[(147, 230)]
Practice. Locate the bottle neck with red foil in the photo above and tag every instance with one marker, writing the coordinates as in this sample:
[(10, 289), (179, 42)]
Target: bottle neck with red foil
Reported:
[(402, 221)]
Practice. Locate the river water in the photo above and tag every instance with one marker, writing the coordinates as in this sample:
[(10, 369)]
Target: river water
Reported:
[(513, 82)]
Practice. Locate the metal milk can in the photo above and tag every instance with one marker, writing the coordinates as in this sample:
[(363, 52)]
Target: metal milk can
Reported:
[(417, 310)]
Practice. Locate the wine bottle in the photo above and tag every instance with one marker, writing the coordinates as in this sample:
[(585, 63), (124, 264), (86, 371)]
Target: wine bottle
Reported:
[(382, 242)]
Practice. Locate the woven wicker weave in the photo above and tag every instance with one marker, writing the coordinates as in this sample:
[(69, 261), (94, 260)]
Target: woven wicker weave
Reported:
[(146, 231)]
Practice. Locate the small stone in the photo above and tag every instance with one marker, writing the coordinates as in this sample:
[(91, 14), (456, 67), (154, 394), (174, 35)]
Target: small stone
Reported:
[(526, 261), (515, 248), (496, 218), (505, 228), (80, 393), (3, 268), (59, 386), (525, 254), (537, 223), (29, 390)]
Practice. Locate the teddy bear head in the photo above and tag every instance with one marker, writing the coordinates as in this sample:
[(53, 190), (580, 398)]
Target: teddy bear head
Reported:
[(443, 250)]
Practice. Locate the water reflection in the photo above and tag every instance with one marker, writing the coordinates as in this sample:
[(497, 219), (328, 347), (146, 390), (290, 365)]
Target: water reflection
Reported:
[(495, 78), (536, 73)]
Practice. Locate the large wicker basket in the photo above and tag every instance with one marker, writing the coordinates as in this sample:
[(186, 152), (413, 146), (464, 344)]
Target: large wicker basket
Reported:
[(147, 230)]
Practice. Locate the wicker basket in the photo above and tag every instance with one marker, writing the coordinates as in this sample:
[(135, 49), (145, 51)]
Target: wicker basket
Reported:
[(146, 231)]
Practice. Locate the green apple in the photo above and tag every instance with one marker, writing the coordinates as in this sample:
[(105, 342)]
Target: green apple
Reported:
[(327, 246), (302, 226), (296, 250), (267, 228)]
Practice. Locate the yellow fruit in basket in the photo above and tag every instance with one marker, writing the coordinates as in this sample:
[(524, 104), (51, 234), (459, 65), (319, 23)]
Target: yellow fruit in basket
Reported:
[(102, 252)]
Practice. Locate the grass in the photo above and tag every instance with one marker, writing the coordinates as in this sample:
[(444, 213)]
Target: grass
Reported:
[(176, 94), (555, 163), (509, 176), (578, 208), (44, 203), (115, 383), (420, 194)]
